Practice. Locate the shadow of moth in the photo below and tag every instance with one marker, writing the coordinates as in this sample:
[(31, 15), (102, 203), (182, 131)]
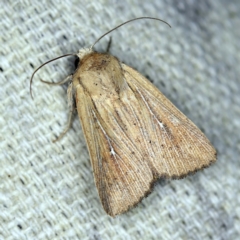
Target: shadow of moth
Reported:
[(134, 134)]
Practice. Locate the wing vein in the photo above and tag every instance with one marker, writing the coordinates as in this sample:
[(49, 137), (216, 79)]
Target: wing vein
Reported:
[(161, 127)]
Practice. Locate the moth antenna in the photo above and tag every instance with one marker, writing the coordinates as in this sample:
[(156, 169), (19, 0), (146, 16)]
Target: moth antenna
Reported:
[(65, 55), (158, 19)]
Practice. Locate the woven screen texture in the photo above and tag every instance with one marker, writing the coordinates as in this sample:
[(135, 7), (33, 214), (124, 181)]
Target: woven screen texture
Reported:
[(47, 189)]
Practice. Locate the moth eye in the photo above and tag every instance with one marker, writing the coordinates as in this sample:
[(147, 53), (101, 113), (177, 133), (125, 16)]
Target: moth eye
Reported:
[(76, 62)]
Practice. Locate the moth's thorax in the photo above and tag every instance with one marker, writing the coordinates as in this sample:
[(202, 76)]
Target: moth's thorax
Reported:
[(100, 75)]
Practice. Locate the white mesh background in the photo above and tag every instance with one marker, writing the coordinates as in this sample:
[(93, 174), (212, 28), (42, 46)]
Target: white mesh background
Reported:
[(47, 190)]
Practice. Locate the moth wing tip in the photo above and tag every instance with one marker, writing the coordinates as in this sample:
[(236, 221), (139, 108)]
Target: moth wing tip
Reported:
[(134, 204)]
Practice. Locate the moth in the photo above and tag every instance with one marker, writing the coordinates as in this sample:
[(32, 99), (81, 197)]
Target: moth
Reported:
[(134, 134)]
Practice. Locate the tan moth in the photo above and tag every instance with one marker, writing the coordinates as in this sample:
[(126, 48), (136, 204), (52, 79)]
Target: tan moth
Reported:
[(134, 134)]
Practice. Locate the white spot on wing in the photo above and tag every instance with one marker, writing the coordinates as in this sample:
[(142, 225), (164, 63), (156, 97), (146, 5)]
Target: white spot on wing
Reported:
[(161, 125), (174, 120), (112, 151)]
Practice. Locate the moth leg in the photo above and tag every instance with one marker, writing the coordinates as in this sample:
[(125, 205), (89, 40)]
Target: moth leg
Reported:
[(109, 45), (68, 78), (71, 110)]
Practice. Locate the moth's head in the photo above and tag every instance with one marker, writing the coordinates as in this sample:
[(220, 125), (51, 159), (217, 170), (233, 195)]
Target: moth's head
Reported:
[(80, 55), (83, 52)]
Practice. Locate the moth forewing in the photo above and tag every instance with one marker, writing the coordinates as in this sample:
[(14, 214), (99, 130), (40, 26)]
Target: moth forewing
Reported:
[(133, 132), (177, 143), (121, 177)]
